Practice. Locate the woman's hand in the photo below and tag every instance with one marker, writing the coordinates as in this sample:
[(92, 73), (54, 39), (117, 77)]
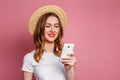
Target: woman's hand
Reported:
[(69, 61)]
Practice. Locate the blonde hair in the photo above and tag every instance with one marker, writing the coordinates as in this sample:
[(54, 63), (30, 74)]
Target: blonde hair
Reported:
[(39, 39)]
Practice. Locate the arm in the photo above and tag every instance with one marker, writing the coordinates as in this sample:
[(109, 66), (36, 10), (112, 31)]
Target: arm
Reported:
[(27, 67), (69, 63), (70, 74), (27, 75)]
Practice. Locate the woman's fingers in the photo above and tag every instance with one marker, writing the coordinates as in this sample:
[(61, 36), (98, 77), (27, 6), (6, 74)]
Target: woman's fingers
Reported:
[(70, 55), (70, 59)]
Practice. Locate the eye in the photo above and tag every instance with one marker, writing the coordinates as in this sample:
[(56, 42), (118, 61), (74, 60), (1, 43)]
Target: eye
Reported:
[(47, 26), (57, 26)]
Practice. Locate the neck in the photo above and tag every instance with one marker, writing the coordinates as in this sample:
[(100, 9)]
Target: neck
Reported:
[(49, 47)]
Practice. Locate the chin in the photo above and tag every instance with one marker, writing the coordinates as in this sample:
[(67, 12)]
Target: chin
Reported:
[(50, 41)]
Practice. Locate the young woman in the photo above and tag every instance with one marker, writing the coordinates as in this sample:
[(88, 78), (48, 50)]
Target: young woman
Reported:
[(44, 62)]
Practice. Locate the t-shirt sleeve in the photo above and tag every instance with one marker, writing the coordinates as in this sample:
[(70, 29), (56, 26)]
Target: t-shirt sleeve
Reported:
[(27, 66)]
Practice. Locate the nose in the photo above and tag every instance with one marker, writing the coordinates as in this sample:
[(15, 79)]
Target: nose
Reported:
[(52, 29)]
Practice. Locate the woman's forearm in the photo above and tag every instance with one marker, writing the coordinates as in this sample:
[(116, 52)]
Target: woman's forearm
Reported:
[(70, 74)]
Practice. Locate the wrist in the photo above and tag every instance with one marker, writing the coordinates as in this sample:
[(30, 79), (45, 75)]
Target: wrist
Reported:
[(68, 69)]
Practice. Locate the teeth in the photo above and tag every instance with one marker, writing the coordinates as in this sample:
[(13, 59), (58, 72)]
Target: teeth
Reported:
[(51, 35)]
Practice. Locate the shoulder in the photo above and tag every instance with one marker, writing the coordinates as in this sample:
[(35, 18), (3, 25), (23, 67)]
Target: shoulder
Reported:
[(28, 62), (29, 58), (29, 55)]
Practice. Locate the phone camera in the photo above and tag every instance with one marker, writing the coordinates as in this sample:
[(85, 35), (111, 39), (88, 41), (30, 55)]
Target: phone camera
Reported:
[(68, 46)]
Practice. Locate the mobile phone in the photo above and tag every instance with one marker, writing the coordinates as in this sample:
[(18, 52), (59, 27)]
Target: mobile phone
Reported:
[(67, 49)]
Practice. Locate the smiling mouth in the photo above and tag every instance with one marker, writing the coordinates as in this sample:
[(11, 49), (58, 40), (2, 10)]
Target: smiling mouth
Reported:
[(51, 35)]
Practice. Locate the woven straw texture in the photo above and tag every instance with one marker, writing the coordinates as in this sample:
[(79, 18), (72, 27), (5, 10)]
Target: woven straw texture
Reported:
[(46, 9)]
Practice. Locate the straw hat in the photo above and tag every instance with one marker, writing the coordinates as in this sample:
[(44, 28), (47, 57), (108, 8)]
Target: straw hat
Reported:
[(46, 9)]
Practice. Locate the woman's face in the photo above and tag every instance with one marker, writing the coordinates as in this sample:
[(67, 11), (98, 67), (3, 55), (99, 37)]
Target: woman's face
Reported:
[(52, 29)]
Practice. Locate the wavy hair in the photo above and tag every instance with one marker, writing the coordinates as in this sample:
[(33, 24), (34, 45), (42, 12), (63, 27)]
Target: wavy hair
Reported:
[(39, 39)]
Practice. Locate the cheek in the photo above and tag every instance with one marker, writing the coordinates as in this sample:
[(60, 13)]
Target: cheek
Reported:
[(45, 34), (58, 31), (46, 31)]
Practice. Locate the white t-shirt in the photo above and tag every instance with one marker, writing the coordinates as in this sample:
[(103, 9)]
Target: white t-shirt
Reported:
[(49, 67)]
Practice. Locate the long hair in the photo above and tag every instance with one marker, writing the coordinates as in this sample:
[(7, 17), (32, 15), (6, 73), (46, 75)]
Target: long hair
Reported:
[(39, 39)]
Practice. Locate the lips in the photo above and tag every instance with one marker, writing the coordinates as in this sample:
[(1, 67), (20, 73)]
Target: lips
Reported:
[(51, 35)]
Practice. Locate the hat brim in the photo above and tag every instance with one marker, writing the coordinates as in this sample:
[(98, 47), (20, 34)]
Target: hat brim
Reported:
[(46, 9)]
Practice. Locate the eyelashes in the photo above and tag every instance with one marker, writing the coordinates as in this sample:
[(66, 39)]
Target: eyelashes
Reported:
[(54, 26), (47, 26)]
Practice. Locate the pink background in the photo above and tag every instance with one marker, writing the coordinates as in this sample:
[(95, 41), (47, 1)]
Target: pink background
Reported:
[(93, 25)]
